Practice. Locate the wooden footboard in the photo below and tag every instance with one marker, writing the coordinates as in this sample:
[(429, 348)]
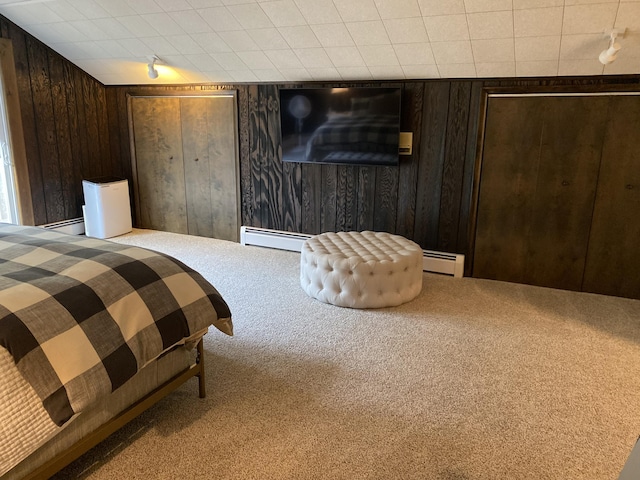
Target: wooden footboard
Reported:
[(75, 451)]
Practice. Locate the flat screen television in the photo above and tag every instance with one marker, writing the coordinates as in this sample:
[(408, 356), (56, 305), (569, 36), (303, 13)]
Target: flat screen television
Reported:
[(349, 126)]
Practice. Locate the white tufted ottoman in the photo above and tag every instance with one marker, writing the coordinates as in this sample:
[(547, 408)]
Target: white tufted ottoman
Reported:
[(361, 269)]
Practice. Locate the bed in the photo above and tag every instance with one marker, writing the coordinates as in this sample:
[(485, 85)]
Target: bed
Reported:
[(92, 333)]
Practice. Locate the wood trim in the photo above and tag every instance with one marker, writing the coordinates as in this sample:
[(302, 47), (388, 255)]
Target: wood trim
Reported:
[(57, 463), (16, 133)]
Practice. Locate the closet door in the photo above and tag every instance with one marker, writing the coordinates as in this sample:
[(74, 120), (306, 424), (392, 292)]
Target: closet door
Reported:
[(613, 260), (537, 189), (185, 164)]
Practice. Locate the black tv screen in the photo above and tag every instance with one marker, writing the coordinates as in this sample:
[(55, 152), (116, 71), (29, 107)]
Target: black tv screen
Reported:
[(350, 126)]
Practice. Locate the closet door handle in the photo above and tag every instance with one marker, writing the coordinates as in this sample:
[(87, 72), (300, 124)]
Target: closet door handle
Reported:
[(565, 183), (629, 187)]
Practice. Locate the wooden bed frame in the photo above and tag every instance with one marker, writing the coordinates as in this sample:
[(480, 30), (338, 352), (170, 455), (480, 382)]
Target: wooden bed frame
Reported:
[(67, 456)]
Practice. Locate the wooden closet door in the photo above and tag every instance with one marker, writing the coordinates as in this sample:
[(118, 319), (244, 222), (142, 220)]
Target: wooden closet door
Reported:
[(613, 259), (537, 189), (185, 165)]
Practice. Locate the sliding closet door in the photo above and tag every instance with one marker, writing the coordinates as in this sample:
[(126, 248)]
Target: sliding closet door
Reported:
[(186, 165), (613, 261), (537, 189)]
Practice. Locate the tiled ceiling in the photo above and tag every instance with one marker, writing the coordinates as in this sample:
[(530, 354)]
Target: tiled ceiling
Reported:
[(229, 41)]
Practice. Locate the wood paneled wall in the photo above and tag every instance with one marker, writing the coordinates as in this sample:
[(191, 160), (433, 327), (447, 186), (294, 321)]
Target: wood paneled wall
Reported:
[(65, 127), (76, 128)]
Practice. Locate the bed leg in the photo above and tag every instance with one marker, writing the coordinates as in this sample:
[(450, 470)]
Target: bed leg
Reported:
[(200, 375)]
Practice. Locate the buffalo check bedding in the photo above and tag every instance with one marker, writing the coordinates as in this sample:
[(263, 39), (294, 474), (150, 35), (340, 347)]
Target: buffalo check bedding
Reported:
[(80, 316)]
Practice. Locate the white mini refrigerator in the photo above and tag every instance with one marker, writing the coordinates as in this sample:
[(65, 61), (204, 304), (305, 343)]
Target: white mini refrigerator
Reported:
[(107, 210)]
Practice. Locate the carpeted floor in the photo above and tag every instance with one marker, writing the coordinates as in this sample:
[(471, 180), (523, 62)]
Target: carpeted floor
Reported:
[(474, 379)]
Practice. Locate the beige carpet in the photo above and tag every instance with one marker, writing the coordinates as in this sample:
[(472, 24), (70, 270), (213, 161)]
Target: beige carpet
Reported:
[(474, 379)]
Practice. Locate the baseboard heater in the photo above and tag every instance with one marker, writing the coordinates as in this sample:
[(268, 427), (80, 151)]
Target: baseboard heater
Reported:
[(432, 261), (74, 226)]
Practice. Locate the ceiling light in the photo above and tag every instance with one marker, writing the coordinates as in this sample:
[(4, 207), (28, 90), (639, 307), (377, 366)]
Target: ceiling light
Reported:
[(610, 54), (151, 67)]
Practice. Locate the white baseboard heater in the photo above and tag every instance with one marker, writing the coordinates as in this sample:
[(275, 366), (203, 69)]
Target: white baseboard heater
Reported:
[(74, 226), (436, 262)]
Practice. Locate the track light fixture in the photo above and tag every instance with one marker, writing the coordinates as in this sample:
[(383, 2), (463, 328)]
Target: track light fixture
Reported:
[(610, 54), (151, 67)]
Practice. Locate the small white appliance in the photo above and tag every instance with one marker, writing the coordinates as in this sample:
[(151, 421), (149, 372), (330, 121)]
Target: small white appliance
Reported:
[(107, 209)]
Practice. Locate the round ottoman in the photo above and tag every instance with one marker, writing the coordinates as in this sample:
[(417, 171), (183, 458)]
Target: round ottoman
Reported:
[(361, 269)]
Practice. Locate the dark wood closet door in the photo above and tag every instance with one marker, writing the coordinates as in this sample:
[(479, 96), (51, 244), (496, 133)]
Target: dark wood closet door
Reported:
[(613, 260), (537, 189), (185, 165)]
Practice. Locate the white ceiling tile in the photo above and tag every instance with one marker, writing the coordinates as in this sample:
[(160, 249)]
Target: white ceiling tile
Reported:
[(160, 46), (368, 33), (538, 22), (580, 67), (65, 32), (582, 47), (452, 52), (113, 28), (178, 61), (258, 60), (457, 70), (420, 71), (414, 54), (406, 30), (387, 72), (112, 48), (89, 8), (172, 5), (490, 25), (220, 19), (139, 26), (313, 57), (283, 13), (90, 30), (588, 18), (587, 2), (354, 73), (219, 77), (543, 68), (30, 14), (190, 21), (200, 77), (532, 49), (229, 61), (162, 22), (116, 8), (250, 15), (211, 42), (269, 75), (283, 59), (629, 17), (357, 10), (332, 35), (239, 41), (197, 4), (324, 74), (488, 70), (345, 56), (447, 27), (620, 68), (318, 11), (268, 38), (499, 50), (204, 61), (472, 6), (66, 11), (523, 4), (378, 55), (185, 44), (296, 74), (243, 76), (76, 51), (136, 46), (398, 8), (146, 6), (440, 7), (299, 37)]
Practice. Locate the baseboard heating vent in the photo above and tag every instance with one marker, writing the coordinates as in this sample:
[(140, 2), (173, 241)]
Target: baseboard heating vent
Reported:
[(436, 262), (74, 226)]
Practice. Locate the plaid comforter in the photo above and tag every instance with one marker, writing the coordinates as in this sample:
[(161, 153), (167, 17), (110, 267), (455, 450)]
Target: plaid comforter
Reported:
[(81, 316)]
